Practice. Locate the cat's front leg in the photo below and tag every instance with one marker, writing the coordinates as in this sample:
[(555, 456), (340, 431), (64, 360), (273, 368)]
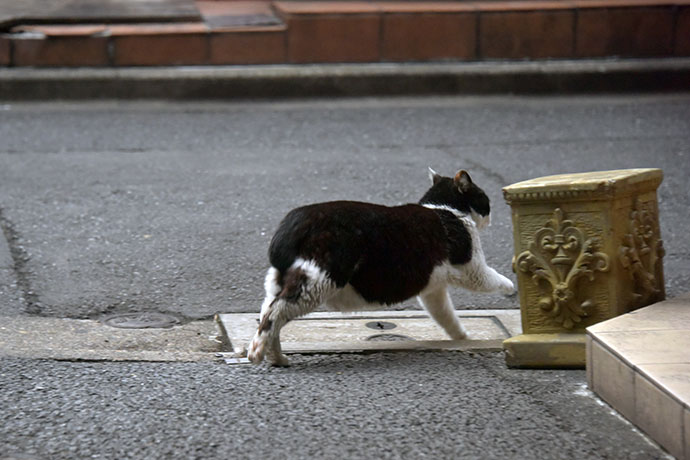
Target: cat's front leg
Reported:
[(478, 276), (437, 302)]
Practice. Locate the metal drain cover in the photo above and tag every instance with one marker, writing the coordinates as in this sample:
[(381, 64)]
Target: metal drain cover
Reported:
[(389, 338), (143, 320), (380, 325)]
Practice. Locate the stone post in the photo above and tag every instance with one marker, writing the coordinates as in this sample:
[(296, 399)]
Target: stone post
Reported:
[(587, 249)]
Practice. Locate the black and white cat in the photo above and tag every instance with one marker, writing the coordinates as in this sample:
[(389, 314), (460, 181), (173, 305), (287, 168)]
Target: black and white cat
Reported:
[(349, 255)]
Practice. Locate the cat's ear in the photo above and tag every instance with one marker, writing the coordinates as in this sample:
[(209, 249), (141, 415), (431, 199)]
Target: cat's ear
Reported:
[(462, 180), (434, 177)]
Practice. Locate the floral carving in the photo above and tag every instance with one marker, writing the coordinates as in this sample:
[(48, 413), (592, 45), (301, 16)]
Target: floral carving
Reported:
[(560, 255), (641, 251)]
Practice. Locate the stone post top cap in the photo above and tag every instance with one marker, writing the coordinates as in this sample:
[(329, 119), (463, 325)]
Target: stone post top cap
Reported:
[(590, 184)]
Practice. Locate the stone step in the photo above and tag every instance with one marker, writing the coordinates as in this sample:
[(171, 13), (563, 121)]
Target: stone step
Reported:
[(639, 363)]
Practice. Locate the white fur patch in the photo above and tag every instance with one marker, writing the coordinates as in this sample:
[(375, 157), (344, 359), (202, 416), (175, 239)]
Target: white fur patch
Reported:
[(481, 221), (477, 219), (271, 282), (348, 299)]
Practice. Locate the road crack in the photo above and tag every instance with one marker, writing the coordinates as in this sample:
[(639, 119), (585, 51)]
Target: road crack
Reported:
[(20, 259), (474, 165)]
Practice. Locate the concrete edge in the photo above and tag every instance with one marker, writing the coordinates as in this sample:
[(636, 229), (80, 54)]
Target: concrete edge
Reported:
[(347, 80)]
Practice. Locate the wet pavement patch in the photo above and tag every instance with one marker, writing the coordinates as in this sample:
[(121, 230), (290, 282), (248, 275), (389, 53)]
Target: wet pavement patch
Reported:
[(389, 337), (143, 320)]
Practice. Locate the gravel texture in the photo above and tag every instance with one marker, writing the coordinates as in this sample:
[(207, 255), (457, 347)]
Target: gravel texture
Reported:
[(390, 406)]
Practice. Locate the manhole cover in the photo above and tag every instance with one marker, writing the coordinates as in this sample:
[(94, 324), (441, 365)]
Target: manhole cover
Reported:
[(389, 338), (141, 320), (380, 325)]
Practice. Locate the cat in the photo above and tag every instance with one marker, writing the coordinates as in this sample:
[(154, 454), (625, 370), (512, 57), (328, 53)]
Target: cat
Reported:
[(350, 255)]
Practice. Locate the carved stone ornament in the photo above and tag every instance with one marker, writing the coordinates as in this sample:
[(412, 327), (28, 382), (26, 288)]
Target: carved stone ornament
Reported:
[(560, 255), (641, 251)]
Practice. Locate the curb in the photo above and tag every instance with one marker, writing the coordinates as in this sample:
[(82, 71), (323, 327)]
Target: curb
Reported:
[(347, 80)]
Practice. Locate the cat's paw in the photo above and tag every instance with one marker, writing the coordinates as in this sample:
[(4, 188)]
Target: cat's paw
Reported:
[(460, 334), (257, 350), (507, 288), (278, 359)]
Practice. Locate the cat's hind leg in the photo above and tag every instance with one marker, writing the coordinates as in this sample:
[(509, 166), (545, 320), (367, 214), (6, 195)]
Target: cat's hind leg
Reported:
[(437, 302), (304, 287)]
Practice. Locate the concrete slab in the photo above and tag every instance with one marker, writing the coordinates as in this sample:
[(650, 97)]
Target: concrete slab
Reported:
[(90, 340), (335, 332)]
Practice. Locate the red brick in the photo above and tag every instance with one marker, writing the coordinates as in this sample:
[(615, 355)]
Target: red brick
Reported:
[(166, 28), (333, 38), (528, 5), (325, 8), (5, 51), (425, 7), (624, 32), (585, 4), (420, 37), (682, 45), (526, 34), (260, 46), (151, 50), (61, 51), (159, 44)]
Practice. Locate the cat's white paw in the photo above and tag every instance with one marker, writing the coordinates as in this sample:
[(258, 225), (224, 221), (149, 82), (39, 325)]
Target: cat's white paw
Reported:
[(257, 350), (460, 334), (278, 359), (507, 287)]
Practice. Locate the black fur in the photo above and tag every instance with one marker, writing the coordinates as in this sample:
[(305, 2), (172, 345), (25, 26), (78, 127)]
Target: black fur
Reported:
[(386, 253), (458, 238), (446, 193)]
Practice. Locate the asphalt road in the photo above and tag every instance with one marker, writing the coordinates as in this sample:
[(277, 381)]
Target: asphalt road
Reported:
[(111, 207), (444, 405), (114, 207)]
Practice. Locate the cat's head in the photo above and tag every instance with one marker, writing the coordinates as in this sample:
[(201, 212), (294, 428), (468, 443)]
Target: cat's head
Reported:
[(459, 193)]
